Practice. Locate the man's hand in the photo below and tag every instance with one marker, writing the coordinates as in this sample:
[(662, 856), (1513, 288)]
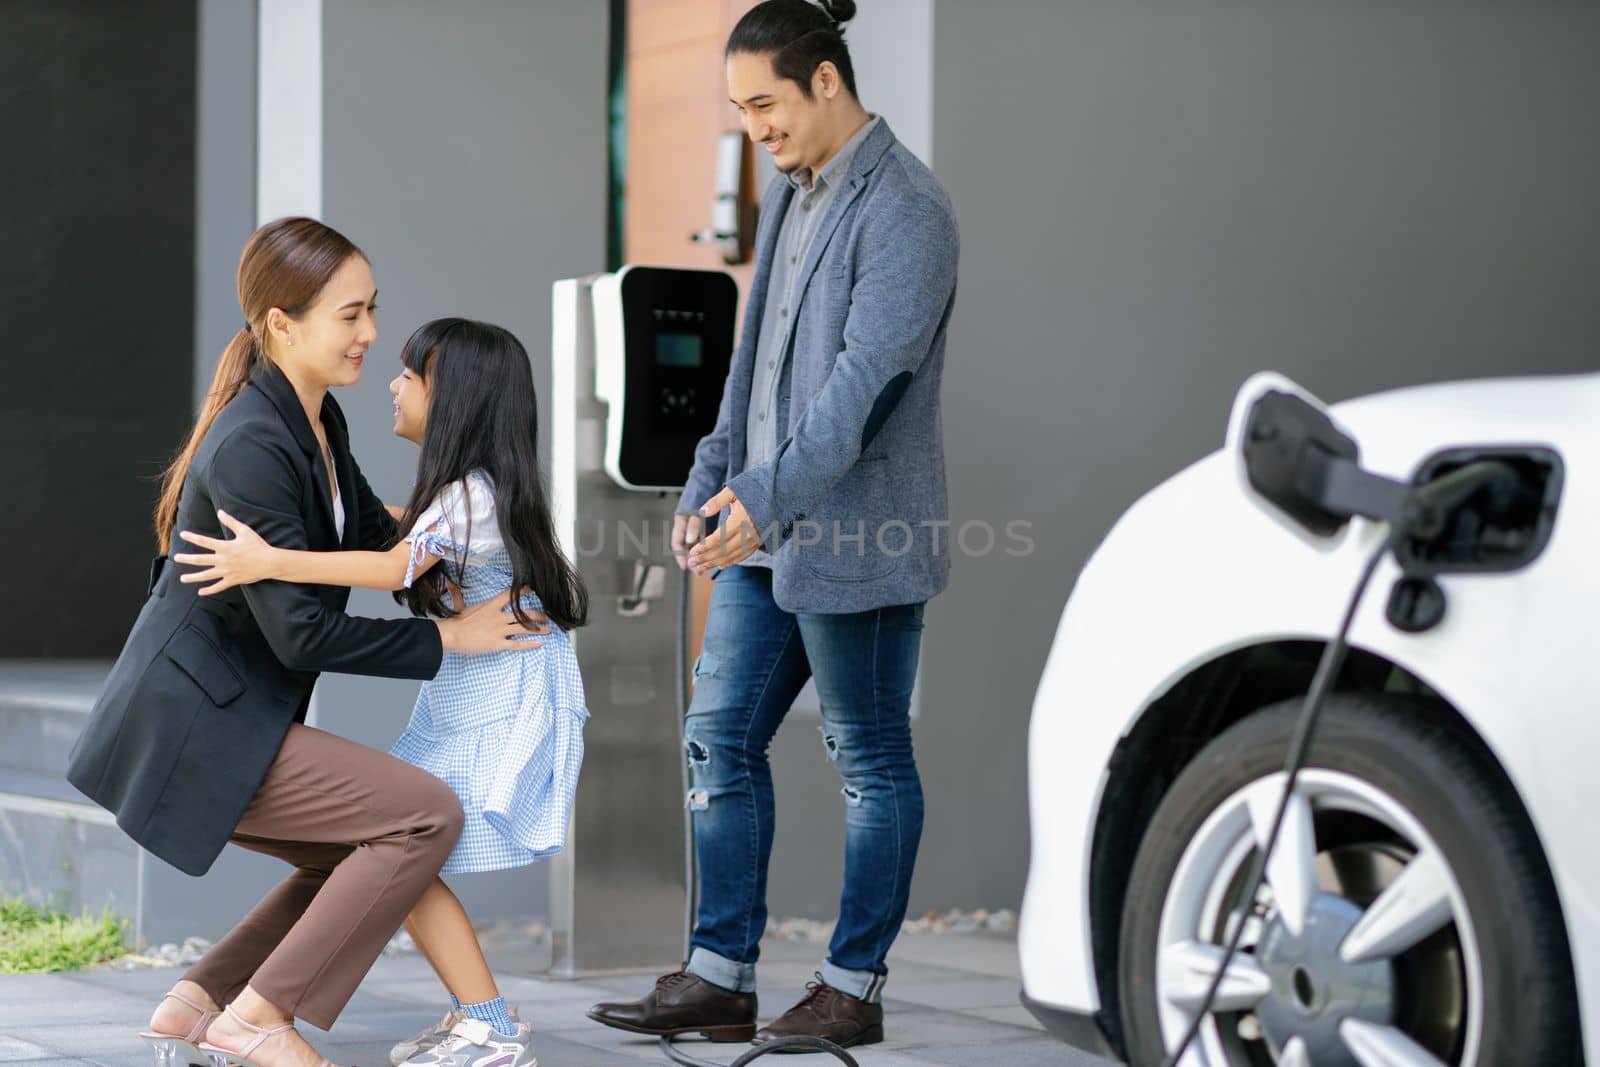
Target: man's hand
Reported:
[(239, 560), (686, 531), (490, 627), (733, 540)]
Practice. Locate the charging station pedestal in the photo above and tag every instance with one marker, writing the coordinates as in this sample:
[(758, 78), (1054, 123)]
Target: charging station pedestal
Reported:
[(638, 362)]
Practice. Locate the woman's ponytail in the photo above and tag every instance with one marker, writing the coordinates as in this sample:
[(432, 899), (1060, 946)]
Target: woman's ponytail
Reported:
[(233, 371)]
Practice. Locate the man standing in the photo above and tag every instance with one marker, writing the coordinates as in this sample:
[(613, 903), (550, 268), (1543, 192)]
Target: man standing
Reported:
[(828, 461)]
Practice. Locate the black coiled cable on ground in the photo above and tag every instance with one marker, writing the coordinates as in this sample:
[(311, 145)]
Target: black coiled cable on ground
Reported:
[(780, 1044)]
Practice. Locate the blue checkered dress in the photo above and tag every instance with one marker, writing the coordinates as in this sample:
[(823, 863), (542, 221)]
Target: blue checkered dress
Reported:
[(504, 730)]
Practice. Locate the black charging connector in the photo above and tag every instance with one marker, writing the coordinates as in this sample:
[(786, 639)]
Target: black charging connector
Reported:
[(1482, 509), (1309, 469), (1428, 506), (1468, 509)]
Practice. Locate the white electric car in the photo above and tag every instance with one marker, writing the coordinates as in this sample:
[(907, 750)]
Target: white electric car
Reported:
[(1433, 896)]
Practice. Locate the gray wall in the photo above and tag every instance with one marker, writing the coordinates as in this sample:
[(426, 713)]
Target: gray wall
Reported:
[(891, 48), (1155, 203), (225, 176), (464, 150)]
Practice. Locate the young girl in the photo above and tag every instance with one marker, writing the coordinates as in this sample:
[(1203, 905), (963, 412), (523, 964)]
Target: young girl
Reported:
[(504, 731)]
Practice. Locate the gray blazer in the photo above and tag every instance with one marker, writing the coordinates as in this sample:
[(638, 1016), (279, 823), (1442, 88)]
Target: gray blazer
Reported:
[(853, 505)]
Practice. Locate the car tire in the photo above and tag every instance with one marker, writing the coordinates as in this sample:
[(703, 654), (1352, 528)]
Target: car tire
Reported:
[(1381, 768)]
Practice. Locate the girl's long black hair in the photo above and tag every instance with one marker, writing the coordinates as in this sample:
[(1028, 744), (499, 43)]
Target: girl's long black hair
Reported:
[(483, 415)]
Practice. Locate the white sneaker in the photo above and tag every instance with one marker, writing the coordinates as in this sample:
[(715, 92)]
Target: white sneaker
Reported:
[(429, 1038), (474, 1043), (424, 1041)]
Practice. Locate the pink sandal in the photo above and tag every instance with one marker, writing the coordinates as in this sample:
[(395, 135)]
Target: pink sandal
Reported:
[(171, 1049), (221, 1057)]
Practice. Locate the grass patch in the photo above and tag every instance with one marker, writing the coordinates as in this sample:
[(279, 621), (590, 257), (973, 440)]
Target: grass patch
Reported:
[(35, 940)]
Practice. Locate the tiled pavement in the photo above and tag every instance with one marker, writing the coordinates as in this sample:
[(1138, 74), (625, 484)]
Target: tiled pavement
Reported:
[(951, 999)]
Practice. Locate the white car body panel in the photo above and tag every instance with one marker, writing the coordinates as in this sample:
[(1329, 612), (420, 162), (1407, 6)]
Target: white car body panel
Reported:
[(1201, 566)]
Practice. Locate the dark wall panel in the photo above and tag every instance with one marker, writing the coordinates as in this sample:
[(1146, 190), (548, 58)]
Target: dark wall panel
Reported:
[(97, 101)]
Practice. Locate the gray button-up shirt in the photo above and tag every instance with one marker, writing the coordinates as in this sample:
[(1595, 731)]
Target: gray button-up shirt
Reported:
[(801, 220)]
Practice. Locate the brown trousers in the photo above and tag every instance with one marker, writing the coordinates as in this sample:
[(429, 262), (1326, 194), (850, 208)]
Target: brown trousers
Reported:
[(366, 833)]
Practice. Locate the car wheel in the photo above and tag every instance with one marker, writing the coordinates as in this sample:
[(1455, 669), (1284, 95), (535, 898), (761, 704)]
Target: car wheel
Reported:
[(1407, 919)]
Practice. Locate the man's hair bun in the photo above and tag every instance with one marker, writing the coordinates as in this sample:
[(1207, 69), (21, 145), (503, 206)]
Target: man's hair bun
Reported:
[(840, 11)]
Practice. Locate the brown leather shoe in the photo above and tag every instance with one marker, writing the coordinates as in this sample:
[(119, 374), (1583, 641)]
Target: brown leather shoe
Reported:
[(828, 1013), (682, 1003)]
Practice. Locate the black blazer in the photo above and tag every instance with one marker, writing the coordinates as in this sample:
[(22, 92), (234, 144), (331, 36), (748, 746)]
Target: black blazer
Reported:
[(200, 699)]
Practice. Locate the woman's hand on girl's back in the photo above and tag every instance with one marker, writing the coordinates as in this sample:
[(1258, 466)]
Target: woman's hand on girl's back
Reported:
[(491, 627), (240, 560)]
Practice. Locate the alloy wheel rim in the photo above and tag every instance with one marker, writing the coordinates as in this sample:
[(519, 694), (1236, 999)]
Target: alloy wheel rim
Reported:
[(1359, 948)]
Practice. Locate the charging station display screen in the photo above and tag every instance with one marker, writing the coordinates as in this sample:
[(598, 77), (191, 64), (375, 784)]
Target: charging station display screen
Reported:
[(678, 350), (677, 339)]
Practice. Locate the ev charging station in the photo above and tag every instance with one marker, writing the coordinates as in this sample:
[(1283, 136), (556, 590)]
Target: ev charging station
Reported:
[(638, 361)]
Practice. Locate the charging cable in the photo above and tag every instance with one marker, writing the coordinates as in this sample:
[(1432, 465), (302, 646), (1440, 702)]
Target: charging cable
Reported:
[(681, 690), (780, 1044), (1299, 746)]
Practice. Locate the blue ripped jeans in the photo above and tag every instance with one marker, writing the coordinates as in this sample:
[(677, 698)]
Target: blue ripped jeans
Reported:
[(755, 660)]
